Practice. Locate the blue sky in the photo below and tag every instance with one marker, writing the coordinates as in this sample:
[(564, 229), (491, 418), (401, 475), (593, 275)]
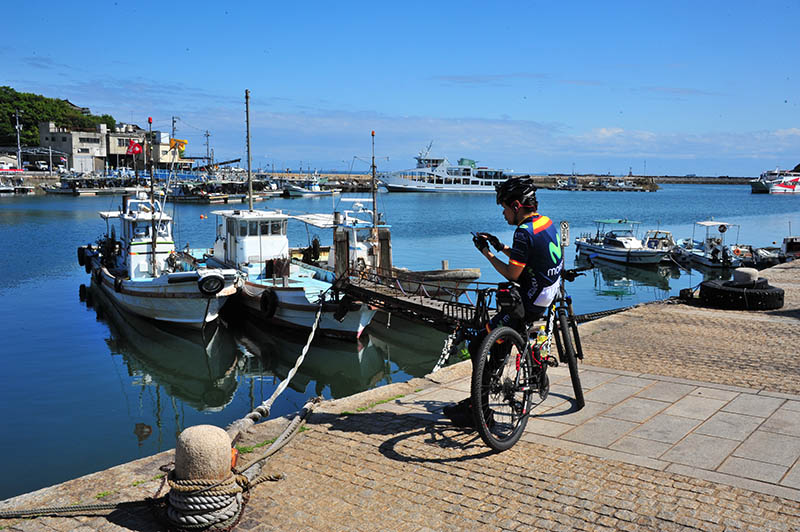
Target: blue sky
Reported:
[(709, 88)]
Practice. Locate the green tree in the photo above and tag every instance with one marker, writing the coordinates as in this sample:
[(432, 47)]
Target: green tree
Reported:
[(35, 108)]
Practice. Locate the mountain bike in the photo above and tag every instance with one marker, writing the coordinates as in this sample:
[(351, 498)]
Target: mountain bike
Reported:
[(509, 374)]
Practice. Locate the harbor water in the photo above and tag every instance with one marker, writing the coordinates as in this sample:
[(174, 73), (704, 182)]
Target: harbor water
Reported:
[(84, 386)]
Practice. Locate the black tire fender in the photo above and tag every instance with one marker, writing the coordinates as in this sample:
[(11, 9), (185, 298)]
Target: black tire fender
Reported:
[(81, 256), (720, 294), (211, 283), (269, 302), (82, 292), (87, 264), (98, 277), (118, 284)]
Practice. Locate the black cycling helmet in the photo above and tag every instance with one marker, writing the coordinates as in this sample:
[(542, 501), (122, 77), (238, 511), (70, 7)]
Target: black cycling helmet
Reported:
[(520, 189)]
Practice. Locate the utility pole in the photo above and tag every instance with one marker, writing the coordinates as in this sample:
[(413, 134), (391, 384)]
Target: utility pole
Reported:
[(208, 155), (174, 118), (249, 159), (19, 146)]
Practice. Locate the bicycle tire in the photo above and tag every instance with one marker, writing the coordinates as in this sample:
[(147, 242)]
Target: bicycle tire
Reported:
[(571, 359), (576, 338), (501, 391)]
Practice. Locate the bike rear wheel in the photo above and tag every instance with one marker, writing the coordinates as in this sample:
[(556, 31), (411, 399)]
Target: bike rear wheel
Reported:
[(505, 382), (564, 334)]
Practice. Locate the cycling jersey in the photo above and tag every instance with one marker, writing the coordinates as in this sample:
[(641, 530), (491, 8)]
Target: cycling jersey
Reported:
[(538, 250)]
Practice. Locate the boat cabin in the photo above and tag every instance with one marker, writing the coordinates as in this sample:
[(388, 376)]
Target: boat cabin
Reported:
[(363, 251), (132, 254), (253, 241)]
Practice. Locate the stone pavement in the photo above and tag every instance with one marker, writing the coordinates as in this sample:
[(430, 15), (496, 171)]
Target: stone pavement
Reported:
[(692, 422)]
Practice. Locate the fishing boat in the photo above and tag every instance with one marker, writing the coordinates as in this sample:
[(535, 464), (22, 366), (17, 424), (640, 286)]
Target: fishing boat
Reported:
[(712, 251), (310, 189), (616, 240), (143, 273), (790, 248), (436, 174), (276, 290), (777, 182)]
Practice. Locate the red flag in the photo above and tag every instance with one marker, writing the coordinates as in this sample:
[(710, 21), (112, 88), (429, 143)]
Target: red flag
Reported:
[(134, 148)]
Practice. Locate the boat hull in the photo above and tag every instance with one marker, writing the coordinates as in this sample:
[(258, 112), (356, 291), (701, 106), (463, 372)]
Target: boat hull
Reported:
[(408, 185), (179, 303), (627, 256), (290, 307)]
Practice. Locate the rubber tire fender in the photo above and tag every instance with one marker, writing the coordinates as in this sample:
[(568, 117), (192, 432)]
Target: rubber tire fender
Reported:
[(117, 284), (211, 283), (81, 256), (87, 264), (719, 295), (268, 303)]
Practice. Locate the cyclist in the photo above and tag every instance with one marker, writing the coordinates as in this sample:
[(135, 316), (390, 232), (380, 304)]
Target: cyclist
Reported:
[(535, 263)]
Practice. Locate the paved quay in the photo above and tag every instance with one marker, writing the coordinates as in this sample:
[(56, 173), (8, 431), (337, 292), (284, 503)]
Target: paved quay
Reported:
[(692, 422)]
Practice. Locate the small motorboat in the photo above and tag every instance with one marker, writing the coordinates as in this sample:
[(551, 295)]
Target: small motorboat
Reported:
[(616, 240)]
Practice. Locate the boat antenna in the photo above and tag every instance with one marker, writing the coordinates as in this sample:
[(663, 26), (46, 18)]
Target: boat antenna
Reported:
[(374, 194), (152, 198), (249, 159)]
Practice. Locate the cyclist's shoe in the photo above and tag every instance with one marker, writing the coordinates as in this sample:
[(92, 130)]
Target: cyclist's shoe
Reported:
[(460, 413)]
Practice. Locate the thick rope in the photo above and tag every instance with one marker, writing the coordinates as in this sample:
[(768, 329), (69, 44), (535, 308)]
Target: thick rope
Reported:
[(262, 410), (446, 349)]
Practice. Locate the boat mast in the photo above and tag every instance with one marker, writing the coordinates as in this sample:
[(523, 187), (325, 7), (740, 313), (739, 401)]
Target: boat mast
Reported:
[(152, 200), (249, 159), (374, 195)]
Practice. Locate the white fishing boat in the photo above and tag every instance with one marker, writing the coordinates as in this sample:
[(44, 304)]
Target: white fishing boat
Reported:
[(777, 182), (142, 272), (436, 174), (313, 188), (790, 248), (712, 251), (277, 290), (616, 240)]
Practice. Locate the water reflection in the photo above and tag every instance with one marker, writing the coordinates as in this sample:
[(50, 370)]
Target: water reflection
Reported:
[(203, 369), (198, 367), (336, 367), (709, 274), (612, 279)]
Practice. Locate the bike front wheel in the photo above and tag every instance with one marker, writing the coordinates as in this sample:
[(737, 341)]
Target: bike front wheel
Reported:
[(505, 382), (569, 353)]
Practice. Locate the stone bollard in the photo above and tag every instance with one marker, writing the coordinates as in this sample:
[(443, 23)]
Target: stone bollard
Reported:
[(745, 275), (203, 452)]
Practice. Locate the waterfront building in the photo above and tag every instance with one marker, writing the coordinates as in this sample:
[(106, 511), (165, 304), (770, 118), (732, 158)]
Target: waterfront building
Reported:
[(85, 149)]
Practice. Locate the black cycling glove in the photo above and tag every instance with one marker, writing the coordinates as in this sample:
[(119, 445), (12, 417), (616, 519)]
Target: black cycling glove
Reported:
[(493, 240), (480, 242)]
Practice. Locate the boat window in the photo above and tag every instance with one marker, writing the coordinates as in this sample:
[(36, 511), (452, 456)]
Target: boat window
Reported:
[(264, 228), (242, 228), (254, 228), (276, 227), (140, 230)]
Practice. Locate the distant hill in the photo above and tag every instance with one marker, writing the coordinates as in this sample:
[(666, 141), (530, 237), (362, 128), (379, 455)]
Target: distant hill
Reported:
[(35, 108)]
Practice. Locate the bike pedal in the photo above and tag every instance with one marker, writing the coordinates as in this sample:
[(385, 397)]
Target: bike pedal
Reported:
[(552, 362)]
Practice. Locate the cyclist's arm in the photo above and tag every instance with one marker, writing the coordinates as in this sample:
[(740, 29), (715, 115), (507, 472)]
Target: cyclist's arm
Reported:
[(510, 271)]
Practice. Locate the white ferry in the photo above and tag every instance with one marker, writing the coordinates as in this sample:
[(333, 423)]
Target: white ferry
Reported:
[(436, 174), (777, 182)]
